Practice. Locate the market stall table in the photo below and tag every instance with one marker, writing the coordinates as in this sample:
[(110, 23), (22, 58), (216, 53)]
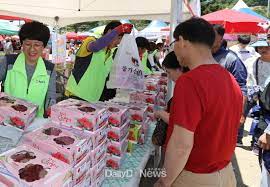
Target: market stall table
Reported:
[(133, 164)]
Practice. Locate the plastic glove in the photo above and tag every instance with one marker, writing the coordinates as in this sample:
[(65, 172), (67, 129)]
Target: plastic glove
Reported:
[(124, 28)]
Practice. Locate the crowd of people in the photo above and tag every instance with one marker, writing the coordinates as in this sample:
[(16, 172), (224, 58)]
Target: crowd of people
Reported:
[(204, 120), (9, 45)]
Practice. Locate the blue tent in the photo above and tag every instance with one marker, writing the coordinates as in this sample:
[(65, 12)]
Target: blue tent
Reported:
[(125, 21), (156, 24), (251, 12), (6, 28), (153, 30)]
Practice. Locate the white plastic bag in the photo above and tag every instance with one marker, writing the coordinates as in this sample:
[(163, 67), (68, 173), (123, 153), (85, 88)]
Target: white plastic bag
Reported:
[(127, 70)]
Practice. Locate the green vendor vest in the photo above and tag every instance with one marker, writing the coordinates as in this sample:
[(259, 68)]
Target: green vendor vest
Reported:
[(16, 83), (146, 70), (92, 83)]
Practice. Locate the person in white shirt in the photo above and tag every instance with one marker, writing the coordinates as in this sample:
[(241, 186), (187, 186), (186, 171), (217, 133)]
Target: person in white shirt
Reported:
[(8, 48), (261, 75), (242, 49), (261, 65)]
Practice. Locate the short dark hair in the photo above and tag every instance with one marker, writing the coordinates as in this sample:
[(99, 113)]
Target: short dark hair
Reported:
[(170, 61), (110, 26), (224, 43), (142, 42), (196, 30), (219, 29), (244, 39), (152, 46), (35, 31)]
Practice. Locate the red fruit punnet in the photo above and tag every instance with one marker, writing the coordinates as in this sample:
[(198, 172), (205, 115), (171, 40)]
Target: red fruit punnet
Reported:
[(150, 109), (61, 157), (111, 163), (85, 123), (136, 117), (113, 150), (149, 100), (113, 121), (17, 122), (150, 88), (112, 135)]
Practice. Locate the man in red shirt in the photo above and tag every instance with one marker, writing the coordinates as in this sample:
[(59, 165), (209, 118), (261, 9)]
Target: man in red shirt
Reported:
[(202, 131)]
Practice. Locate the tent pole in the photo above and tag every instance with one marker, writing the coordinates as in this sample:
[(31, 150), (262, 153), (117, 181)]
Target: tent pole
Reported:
[(268, 8), (56, 28), (176, 18)]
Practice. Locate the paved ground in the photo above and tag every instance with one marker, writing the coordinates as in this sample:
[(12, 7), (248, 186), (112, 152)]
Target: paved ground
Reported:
[(245, 163)]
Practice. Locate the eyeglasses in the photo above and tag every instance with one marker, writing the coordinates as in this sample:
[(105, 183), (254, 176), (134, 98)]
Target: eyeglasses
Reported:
[(173, 42), (34, 44)]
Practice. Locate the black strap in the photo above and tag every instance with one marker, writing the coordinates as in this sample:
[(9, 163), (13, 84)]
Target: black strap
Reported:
[(256, 70), (49, 67), (260, 157)]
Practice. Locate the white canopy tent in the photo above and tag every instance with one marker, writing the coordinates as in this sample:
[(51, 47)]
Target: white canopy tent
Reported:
[(76, 11), (64, 12), (240, 4)]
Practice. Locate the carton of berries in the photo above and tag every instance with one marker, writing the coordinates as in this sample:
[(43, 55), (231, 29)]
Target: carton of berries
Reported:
[(79, 172), (142, 97), (88, 180), (98, 137), (83, 134), (118, 114), (79, 114), (162, 88), (114, 162), (138, 113), (100, 179), (98, 154), (161, 95), (163, 81), (118, 134), (62, 144), (98, 170), (135, 132), (118, 148), (16, 112), (150, 108), (26, 166), (151, 85)]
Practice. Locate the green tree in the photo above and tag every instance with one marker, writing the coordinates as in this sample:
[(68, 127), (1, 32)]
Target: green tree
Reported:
[(208, 6)]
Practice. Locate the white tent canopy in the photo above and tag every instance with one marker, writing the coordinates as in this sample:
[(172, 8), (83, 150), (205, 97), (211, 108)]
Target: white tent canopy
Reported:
[(153, 30), (75, 11), (240, 4)]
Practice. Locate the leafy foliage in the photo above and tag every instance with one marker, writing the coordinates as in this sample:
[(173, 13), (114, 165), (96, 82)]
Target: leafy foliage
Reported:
[(214, 5)]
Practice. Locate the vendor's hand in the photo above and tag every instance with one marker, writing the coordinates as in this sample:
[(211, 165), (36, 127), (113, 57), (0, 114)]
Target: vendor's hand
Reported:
[(264, 141), (124, 28), (157, 113)]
